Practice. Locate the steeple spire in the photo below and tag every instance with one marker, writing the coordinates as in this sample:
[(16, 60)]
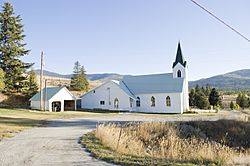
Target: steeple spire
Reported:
[(179, 58)]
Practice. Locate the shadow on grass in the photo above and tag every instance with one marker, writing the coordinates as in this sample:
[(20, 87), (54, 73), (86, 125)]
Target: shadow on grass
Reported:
[(22, 122)]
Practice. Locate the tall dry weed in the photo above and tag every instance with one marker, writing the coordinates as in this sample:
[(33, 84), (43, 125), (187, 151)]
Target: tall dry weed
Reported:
[(161, 140)]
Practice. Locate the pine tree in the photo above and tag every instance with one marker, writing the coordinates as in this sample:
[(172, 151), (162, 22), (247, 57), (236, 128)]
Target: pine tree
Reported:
[(79, 81), (84, 79), (232, 106), (242, 100), (75, 76), (207, 90), (214, 98), (32, 84), (192, 97), (201, 100), (11, 49)]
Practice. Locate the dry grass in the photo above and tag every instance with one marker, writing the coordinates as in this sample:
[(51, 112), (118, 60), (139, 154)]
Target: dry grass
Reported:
[(179, 142)]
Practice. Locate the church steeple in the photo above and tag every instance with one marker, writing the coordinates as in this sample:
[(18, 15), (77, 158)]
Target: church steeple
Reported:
[(179, 58)]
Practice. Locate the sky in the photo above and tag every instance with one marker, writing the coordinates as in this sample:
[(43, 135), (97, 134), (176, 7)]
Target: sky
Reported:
[(135, 36)]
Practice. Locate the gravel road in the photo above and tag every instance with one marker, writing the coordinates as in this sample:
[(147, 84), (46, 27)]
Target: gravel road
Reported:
[(57, 143)]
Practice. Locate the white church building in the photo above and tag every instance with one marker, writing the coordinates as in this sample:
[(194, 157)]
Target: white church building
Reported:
[(156, 93)]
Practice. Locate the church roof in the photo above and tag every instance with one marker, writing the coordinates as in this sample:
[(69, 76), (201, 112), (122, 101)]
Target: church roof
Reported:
[(124, 87), (50, 92), (155, 83), (179, 57)]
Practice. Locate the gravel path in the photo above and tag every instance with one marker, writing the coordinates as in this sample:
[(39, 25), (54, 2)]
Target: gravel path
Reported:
[(57, 144)]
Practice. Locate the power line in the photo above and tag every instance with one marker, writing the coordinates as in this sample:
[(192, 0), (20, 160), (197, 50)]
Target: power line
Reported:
[(220, 20)]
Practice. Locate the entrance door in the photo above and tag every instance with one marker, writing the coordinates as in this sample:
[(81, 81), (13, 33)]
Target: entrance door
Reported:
[(56, 106), (116, 103)]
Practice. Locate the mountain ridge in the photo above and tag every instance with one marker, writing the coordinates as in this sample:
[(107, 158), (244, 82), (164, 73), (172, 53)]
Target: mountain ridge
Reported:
[(232, 81), (93, 77)]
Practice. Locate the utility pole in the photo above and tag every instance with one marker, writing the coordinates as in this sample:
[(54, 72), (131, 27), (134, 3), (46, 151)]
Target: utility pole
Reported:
[(41, 82), (45, 95)]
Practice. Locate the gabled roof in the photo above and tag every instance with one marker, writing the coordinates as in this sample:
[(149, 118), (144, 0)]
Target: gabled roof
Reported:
[(155, 83), (120, 84), (50, 92), (124, 87), (179, 57)]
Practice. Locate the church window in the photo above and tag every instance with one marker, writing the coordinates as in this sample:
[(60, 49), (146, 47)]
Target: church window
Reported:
[(138, 102), (152, 101), (168, 102), (116, 103), (102, 102), (131, 102), (178, 73)]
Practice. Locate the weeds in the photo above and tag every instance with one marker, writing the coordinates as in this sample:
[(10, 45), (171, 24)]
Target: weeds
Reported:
[(186, 141)]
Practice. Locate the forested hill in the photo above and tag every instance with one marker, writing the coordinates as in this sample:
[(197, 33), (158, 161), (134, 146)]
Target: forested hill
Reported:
[(237, 80)]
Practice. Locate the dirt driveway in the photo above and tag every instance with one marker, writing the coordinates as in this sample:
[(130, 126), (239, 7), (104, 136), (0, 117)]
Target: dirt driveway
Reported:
[(57, 143)]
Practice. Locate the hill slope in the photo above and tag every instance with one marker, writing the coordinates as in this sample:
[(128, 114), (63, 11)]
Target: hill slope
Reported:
[(237, 80), (93, 77)]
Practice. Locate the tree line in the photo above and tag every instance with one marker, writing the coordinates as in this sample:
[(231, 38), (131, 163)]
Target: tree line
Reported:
[(204, 97), (242, 101)]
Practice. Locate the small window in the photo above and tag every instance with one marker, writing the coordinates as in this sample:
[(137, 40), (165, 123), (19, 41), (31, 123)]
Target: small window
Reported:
[(102, 102), (168, 102), (152, 101), (138, 102), (116, 103), (178, 73)]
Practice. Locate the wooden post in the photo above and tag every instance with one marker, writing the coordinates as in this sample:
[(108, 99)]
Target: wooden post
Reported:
[(41, 83)]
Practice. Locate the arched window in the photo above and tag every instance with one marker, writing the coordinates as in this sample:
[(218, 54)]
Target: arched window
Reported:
[(178, 73), (152, 101), (131, 102), (168, 102), (116, 103), (138, 102)]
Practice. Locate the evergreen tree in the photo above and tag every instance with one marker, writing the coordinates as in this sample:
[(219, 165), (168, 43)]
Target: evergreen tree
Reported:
[(242, 100), (75, 77), (214, 98), (207, 90), (197, 88), (192, 97), (32, 84), (232, 106), (84, 79), (201, 100), (11, 49), (79, 81)]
